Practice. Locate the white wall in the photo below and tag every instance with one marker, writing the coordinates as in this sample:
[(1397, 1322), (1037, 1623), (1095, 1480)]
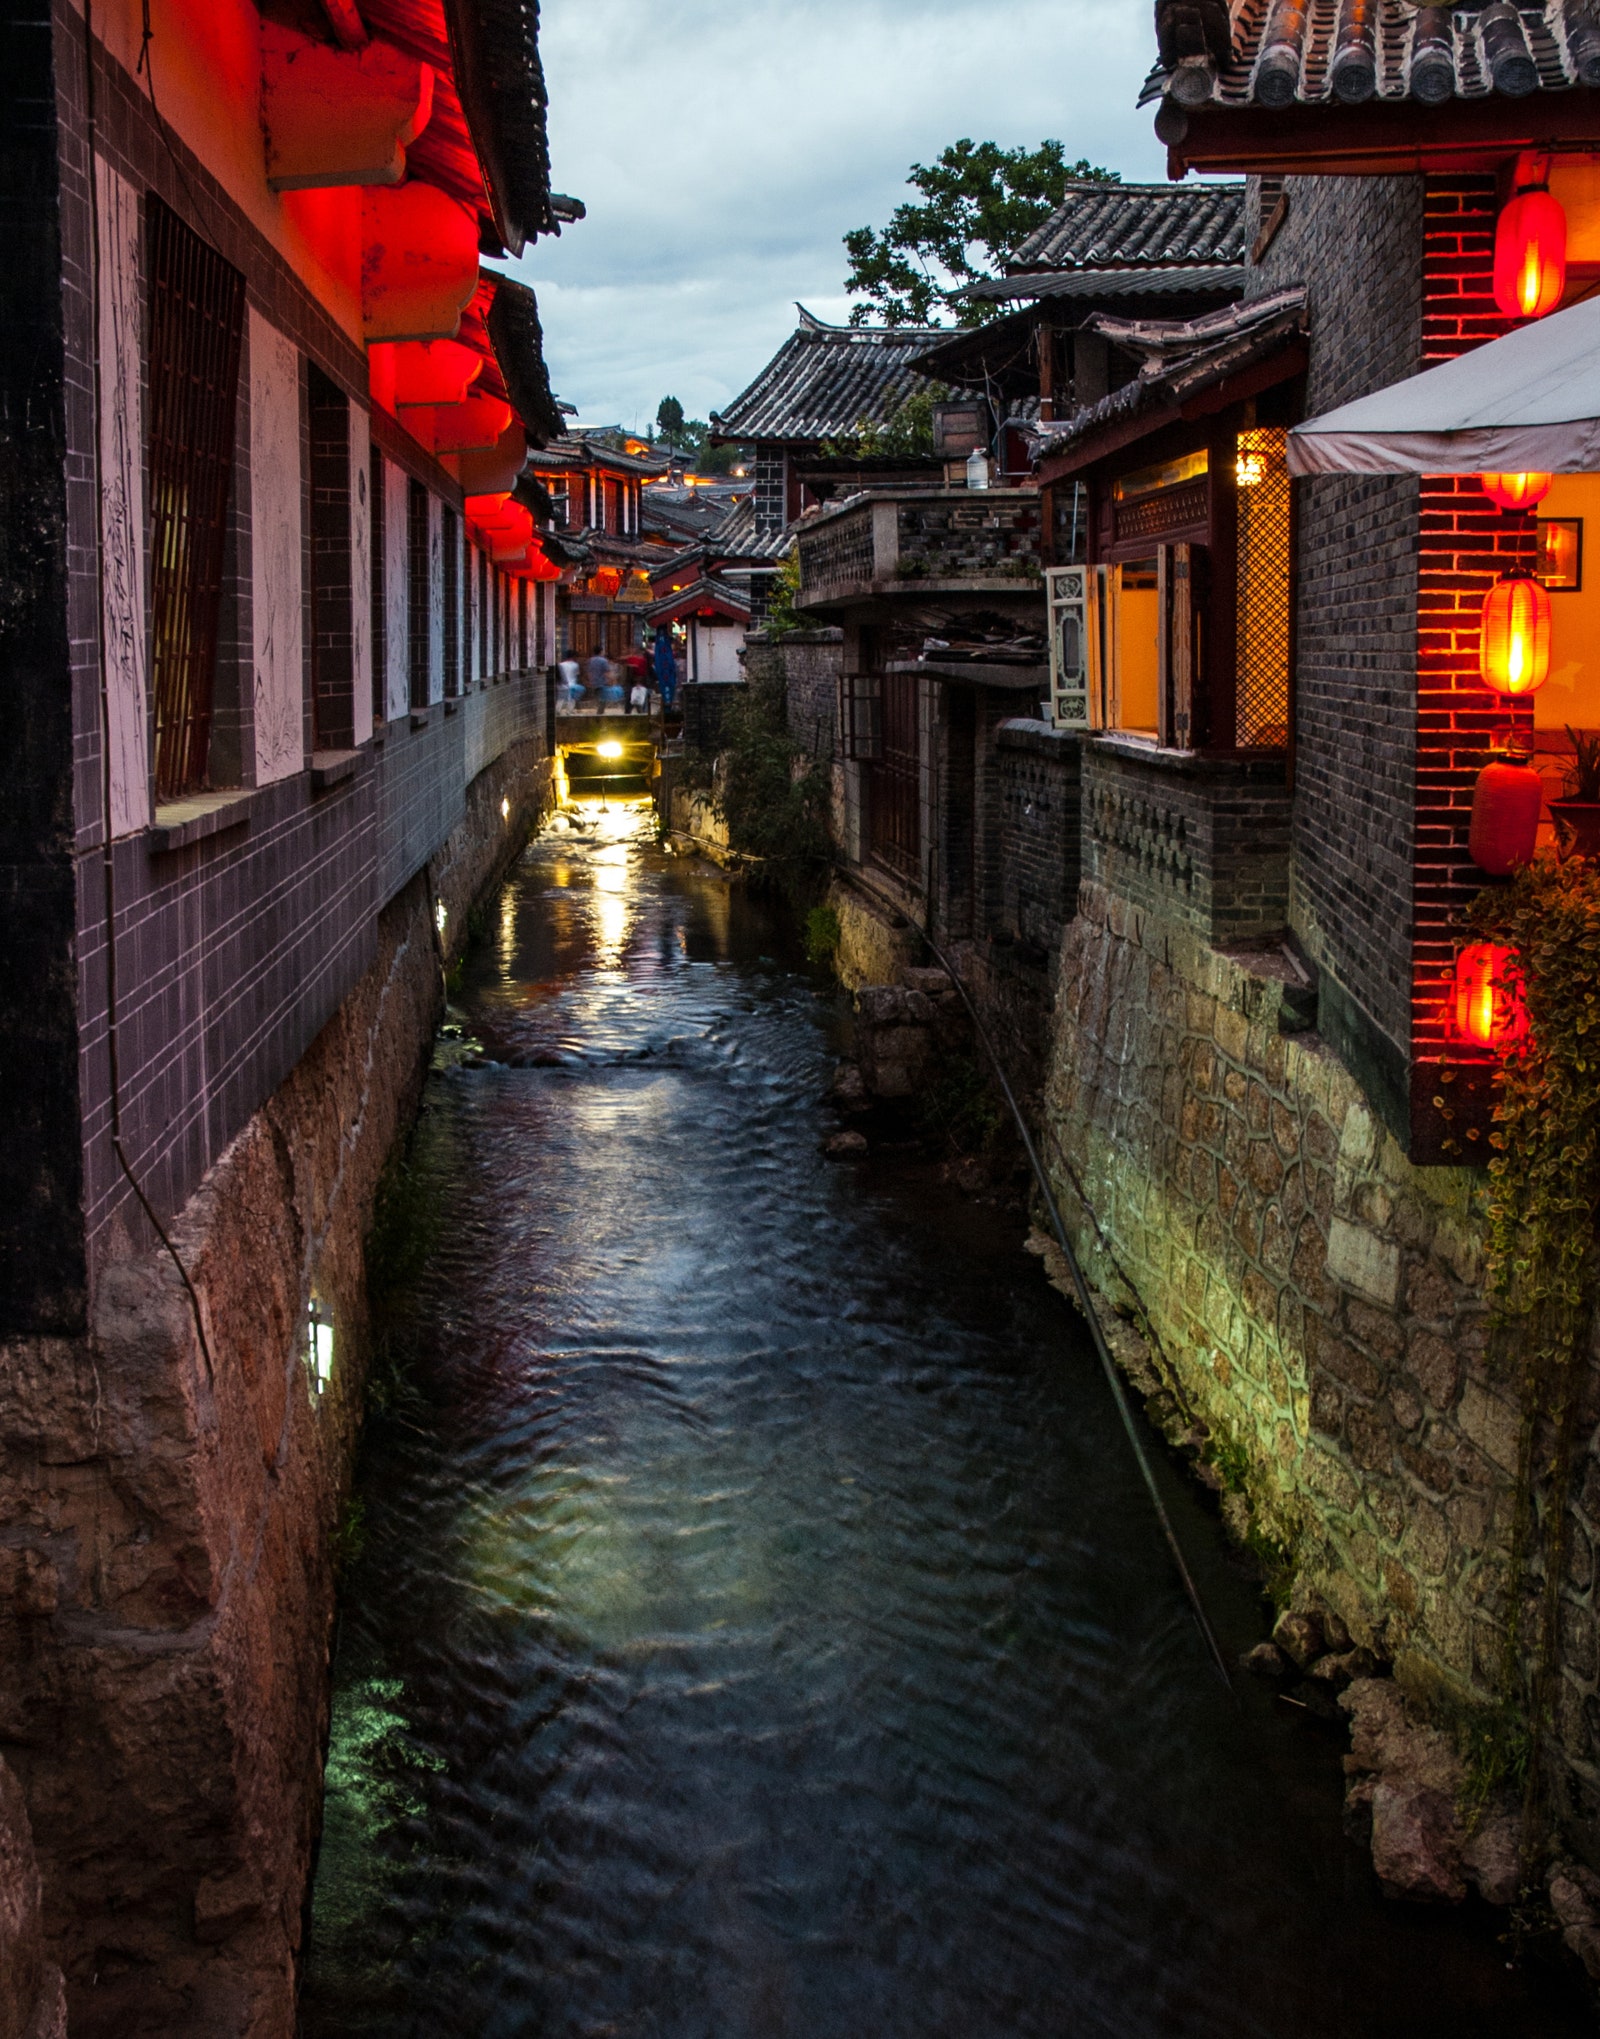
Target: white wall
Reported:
[(275, 538), (396, 597), (122, 566)]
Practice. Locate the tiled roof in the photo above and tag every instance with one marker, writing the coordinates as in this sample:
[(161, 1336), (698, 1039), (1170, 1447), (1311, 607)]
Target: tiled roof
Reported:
[(1181, 357), (738, 536), (825, 380), (1087, 285), (1351, 51), (1104, 225)]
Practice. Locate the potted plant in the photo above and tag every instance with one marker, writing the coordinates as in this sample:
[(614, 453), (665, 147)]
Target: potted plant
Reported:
[(1577, 816)]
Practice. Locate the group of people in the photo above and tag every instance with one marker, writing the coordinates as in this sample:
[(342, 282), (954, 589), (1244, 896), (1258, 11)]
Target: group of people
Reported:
[(622, 686)]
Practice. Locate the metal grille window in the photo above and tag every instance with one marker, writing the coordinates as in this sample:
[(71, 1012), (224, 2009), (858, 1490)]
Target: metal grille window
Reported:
[(894, 780), (380, 613), (196, 332), (452, 605), (1264, 552), (332, 594), (417, 620)]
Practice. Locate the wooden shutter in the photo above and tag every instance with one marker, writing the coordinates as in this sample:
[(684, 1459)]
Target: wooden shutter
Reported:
[(1175, 645), (1067, 590)]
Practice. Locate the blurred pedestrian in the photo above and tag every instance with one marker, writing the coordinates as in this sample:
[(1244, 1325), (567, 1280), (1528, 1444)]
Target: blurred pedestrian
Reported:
[(599, 677), (666, 668), (571, 682)]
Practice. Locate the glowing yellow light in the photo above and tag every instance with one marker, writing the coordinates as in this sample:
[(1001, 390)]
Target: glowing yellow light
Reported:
[(505, 810), (609, 749), (1250, 470)]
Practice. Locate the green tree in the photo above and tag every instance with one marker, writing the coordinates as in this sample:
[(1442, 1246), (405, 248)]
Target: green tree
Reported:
[(979, 204), (670, 422)]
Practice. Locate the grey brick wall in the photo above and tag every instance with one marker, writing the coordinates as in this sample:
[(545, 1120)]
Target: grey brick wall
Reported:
[(1357, 244), (1037, 779), (809, 663), (1200, 841)]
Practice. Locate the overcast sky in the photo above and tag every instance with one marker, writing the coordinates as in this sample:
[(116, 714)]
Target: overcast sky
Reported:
[(723, 148)]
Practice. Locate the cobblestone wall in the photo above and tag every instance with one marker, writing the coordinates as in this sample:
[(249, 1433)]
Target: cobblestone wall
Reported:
[(808, 662), (1315, 1300)]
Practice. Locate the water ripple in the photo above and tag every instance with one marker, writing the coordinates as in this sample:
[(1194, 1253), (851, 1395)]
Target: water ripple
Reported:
[(760, 1629)]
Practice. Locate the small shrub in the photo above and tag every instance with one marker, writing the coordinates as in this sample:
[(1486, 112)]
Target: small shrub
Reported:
[(821, 934)]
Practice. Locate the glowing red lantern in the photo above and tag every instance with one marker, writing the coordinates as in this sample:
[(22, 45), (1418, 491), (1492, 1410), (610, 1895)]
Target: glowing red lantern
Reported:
[(606, 580), (1514, 652), (1506, 804), (1516, 491), (1530, 255), (1489, 1007)]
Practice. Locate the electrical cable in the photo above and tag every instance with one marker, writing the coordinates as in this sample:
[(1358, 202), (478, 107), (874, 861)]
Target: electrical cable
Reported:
[(1080, 1286)]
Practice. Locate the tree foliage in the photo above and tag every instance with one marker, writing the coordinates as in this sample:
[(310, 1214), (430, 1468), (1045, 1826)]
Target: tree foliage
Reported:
[(979, 203), (691, 437)]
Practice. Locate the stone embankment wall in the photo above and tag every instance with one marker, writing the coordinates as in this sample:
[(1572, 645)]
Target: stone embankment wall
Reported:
[(168, 1508), (1313, 1300), (33, 2003)]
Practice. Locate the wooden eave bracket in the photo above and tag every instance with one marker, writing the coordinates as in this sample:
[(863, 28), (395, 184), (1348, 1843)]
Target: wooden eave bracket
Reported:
[(335, 117)]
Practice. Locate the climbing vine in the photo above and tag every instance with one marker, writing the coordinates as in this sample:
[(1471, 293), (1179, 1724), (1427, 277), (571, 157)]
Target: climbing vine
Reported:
[(1544, 1200)]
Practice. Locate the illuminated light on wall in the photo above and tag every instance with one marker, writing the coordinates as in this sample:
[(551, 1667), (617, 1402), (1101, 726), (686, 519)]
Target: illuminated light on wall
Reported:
[(1516, 491), (441, 914), (1530, 255), (1506, 803), (319, 1344), (505, 809), (609, 749), (1490, 1011), (1514, 652)]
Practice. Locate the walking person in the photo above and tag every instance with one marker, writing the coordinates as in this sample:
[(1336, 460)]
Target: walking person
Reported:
[(599, 678), (571, 682), (666, 668)]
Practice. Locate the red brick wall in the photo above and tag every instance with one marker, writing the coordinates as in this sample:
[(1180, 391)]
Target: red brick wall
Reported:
[(1466, 544)]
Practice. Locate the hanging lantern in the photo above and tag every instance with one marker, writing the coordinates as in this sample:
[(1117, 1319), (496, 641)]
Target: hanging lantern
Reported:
[(1514, 652), (1506, 803), (605, 580), (1530, 255), (1489, 1008), (1516, 491)]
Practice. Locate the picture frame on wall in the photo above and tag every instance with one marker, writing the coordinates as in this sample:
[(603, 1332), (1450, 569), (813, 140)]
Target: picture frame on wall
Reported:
[(1560, 556)]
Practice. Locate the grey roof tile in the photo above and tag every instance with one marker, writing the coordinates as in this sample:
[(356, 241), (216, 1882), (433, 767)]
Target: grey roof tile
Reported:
[(824, 380), (1323, 52), (1103, 225)]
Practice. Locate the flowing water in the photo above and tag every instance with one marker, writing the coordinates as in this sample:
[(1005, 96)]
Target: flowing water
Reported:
[(760, 1630)]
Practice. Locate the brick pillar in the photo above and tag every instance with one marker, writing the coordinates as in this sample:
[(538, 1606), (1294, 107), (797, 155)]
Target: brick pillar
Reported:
[(1466, 544)]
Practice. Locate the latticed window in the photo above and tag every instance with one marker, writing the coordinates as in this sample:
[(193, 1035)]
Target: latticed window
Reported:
[(196, 332), (380, 607), (894, 782), (1261, 702)]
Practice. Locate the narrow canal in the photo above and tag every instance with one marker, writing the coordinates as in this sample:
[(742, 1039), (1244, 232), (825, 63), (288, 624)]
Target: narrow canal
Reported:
[(759, 1630)]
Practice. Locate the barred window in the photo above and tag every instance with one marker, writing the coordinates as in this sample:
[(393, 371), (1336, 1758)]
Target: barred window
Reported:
[(418, 619), (196, 334), (452, 605)]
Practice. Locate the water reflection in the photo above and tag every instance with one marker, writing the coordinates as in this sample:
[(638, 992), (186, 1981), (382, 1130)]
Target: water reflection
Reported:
[(760, 1629)]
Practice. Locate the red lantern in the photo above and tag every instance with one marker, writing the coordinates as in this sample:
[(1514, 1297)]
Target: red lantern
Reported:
[(606, 580), (1516, 491), (1530, 255), (1506, 802), (1514, 652), (1489, 1008)]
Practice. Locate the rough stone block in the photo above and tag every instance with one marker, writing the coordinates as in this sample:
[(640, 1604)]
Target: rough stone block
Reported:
[(1364, 1262)]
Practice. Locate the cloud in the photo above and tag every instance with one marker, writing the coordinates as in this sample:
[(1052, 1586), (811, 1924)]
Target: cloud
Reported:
[(724, 147)]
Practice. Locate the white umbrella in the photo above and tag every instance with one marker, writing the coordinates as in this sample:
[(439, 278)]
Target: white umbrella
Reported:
[(1527, 403)]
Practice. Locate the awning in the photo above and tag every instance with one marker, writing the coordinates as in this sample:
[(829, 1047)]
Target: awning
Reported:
[(1527, 403)]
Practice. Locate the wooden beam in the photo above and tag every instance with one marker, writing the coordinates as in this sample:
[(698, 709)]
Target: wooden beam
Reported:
[(344, 18), (1464, 136)]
